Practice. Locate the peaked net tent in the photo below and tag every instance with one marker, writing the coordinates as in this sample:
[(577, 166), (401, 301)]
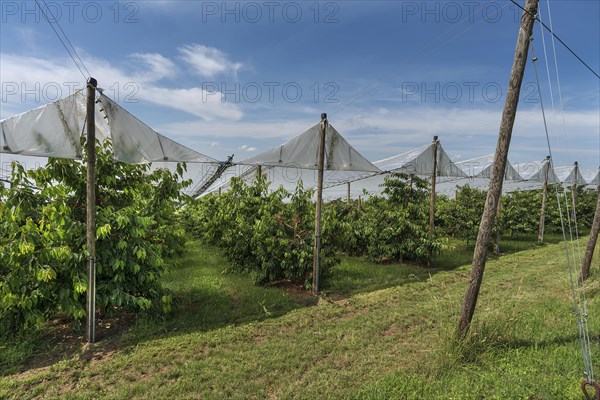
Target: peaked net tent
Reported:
[(297, 160), (570, 175), (477, 174), (55, 129), (421, 161), (591, 176)]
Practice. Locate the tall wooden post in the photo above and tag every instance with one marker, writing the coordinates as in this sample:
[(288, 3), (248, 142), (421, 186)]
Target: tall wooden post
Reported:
[(259, 171), (499, 167), (349, 198), (91, 210), (544, 197), (497, 241), (436, 143), (589, 252), (574, 191), (320, 167)]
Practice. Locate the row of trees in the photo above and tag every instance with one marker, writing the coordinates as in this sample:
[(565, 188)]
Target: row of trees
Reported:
[(42, 240), (270, 234), (267, 234), (519, 211)]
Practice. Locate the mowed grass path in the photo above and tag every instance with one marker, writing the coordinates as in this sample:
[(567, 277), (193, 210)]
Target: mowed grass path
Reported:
[(379, 332)]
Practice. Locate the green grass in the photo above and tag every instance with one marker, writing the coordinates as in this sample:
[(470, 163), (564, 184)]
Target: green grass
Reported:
[(379, 332), (210, 299)]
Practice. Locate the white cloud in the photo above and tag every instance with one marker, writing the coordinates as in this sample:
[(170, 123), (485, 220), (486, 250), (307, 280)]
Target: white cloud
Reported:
[(158, 66), (276, 131), (194, 101), (29, 80), (207, 61)]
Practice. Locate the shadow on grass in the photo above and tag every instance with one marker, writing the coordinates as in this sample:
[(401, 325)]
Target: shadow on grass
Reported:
[(487, 340), (461, 253), (206, 299), (210, 299), (357, 275)]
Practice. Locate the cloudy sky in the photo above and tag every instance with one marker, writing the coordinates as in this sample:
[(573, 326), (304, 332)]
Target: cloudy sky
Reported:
[(241, 77)]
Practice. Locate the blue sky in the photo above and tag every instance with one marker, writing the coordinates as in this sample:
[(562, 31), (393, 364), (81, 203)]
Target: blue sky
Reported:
[(241, 77)]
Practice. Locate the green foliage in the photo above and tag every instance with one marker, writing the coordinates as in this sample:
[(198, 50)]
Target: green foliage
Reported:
[(43, 261), (585, 201), (520, 212), (392, 227), (345, 226), (268, 234), (397, 225), (460, 217)]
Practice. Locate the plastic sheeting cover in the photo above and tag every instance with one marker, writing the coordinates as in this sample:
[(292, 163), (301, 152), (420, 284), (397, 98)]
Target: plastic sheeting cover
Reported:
[(52, 130), (419, 161), (55, 129), (302, 152), (536, 171), (591, 176), (569, 175), (136, 143), (286, 177), (481, 167)]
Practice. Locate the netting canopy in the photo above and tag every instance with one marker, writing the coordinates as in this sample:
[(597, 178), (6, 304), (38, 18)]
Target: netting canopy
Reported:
[(591, 176), (54, 130), (297, 159), (302, 152), (420, 162), (481, 167), (538, 171), (569, 175)]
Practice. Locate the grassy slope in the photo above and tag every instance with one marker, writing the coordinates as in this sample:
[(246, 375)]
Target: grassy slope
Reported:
[(389, 336)]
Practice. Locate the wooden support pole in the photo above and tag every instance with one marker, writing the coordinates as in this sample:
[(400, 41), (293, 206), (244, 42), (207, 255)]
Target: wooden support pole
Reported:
[(544, 197), (320, 168), (349, 198), (259, 171), (497, 241), (436, 143), (574, 191), (499, 167), (591, 246), (91, 210)]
